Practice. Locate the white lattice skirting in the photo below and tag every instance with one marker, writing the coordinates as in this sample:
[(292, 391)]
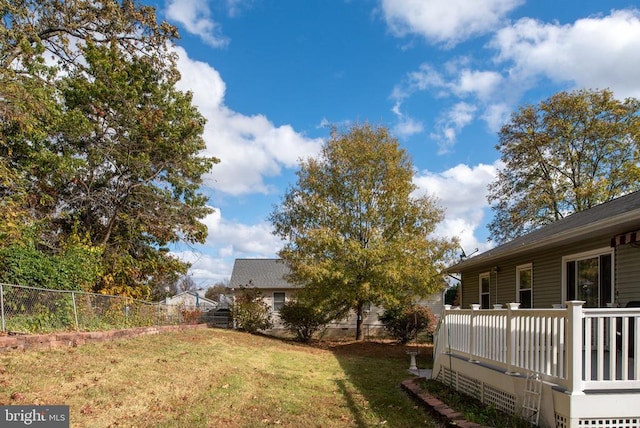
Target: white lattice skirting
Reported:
[(487, 394)]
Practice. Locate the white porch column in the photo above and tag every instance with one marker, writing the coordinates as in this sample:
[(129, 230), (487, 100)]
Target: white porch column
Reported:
[(574, 347), (511, 336)]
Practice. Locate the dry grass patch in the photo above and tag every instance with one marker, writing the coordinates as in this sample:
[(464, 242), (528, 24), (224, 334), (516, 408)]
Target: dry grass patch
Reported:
[(214, 378)]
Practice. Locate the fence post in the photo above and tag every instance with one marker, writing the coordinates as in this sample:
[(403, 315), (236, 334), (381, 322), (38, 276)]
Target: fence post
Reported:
[(511, 336), (574, 348), (126, 312), (2, 306), (75, 309)]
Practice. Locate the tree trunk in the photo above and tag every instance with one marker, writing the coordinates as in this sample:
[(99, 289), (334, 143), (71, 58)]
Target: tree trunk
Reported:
[(359, 311)]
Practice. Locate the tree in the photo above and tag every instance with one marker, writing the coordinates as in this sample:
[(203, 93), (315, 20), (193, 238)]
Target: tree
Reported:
[(99, 138), (135, 184), (452, 295), (219, 288), (186, 283), (355, 232), (571, 152)]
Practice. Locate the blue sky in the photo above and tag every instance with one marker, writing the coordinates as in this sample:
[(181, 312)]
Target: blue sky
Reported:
[(271, 77)]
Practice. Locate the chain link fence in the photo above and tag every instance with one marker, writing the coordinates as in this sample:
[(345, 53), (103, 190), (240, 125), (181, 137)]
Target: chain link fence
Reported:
[(38, 310)]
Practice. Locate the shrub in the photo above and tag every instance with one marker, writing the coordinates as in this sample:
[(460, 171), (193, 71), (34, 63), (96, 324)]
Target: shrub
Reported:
[(404, 322), (250, 312), (303, 319), (190, 316)]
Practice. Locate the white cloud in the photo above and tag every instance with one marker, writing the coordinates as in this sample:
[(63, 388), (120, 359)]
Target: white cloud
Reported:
[(595, 52), (455, 80), (480, 87), (250, 148), (195, 16), (451, 123), (496, 115), (240, 239), (407, 126), (445, 21), (205, 270), (226, 241), (481, 84), (462, 192)]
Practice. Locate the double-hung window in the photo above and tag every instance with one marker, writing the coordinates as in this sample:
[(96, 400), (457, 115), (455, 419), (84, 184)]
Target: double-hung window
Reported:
[(484, 280), (524, 284), (278, 300)]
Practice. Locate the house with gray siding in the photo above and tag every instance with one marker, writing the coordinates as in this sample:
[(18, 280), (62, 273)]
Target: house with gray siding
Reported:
[(555, 309), (591, 255)]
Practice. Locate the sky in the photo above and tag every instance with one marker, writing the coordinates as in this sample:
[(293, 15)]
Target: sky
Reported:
[(273, 76)]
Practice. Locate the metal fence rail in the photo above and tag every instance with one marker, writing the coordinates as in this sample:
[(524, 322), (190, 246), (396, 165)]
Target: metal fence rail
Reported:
[(39, 310)]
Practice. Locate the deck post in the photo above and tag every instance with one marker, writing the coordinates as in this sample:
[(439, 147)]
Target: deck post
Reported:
[(511, 336), (472, 339), (574, 347), (443, 335)]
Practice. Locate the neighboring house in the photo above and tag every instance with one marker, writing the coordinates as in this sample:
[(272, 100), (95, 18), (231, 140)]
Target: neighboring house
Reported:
[(557, 303), (191, 300), (269, 275)]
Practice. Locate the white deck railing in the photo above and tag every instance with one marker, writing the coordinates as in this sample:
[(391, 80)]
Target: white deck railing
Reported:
[(577, 348)]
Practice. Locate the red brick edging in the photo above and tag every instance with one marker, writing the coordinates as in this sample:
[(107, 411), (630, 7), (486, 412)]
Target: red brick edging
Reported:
[(55, 340), (436, 406)]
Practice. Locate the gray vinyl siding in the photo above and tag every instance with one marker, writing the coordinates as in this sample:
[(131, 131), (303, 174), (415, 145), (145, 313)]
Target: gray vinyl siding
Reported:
[(547, 275), (470, 289), (627, 273)]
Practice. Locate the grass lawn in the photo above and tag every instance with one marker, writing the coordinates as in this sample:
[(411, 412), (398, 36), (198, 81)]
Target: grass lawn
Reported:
[(217, 378)]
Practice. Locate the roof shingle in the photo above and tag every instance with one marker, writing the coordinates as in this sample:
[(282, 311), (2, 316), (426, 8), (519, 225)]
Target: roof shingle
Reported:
[(260, 273)]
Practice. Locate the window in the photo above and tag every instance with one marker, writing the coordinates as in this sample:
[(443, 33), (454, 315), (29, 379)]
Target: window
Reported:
[(524, 284), (589, 277), (278, 301), (484, 290), (366, 307)]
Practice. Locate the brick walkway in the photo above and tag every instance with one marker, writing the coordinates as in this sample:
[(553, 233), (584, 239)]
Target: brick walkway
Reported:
[(437, 407)]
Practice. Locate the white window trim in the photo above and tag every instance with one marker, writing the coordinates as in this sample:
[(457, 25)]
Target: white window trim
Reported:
[(520, 268), (480, 277), (585, 255)]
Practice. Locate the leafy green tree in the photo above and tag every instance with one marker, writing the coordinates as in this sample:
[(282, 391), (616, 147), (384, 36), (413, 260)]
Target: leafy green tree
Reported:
[(42, 39), (62, 28), (355, 231), (250, 312), (303, 319), (568, 153), (452, 295), (98, 138)]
